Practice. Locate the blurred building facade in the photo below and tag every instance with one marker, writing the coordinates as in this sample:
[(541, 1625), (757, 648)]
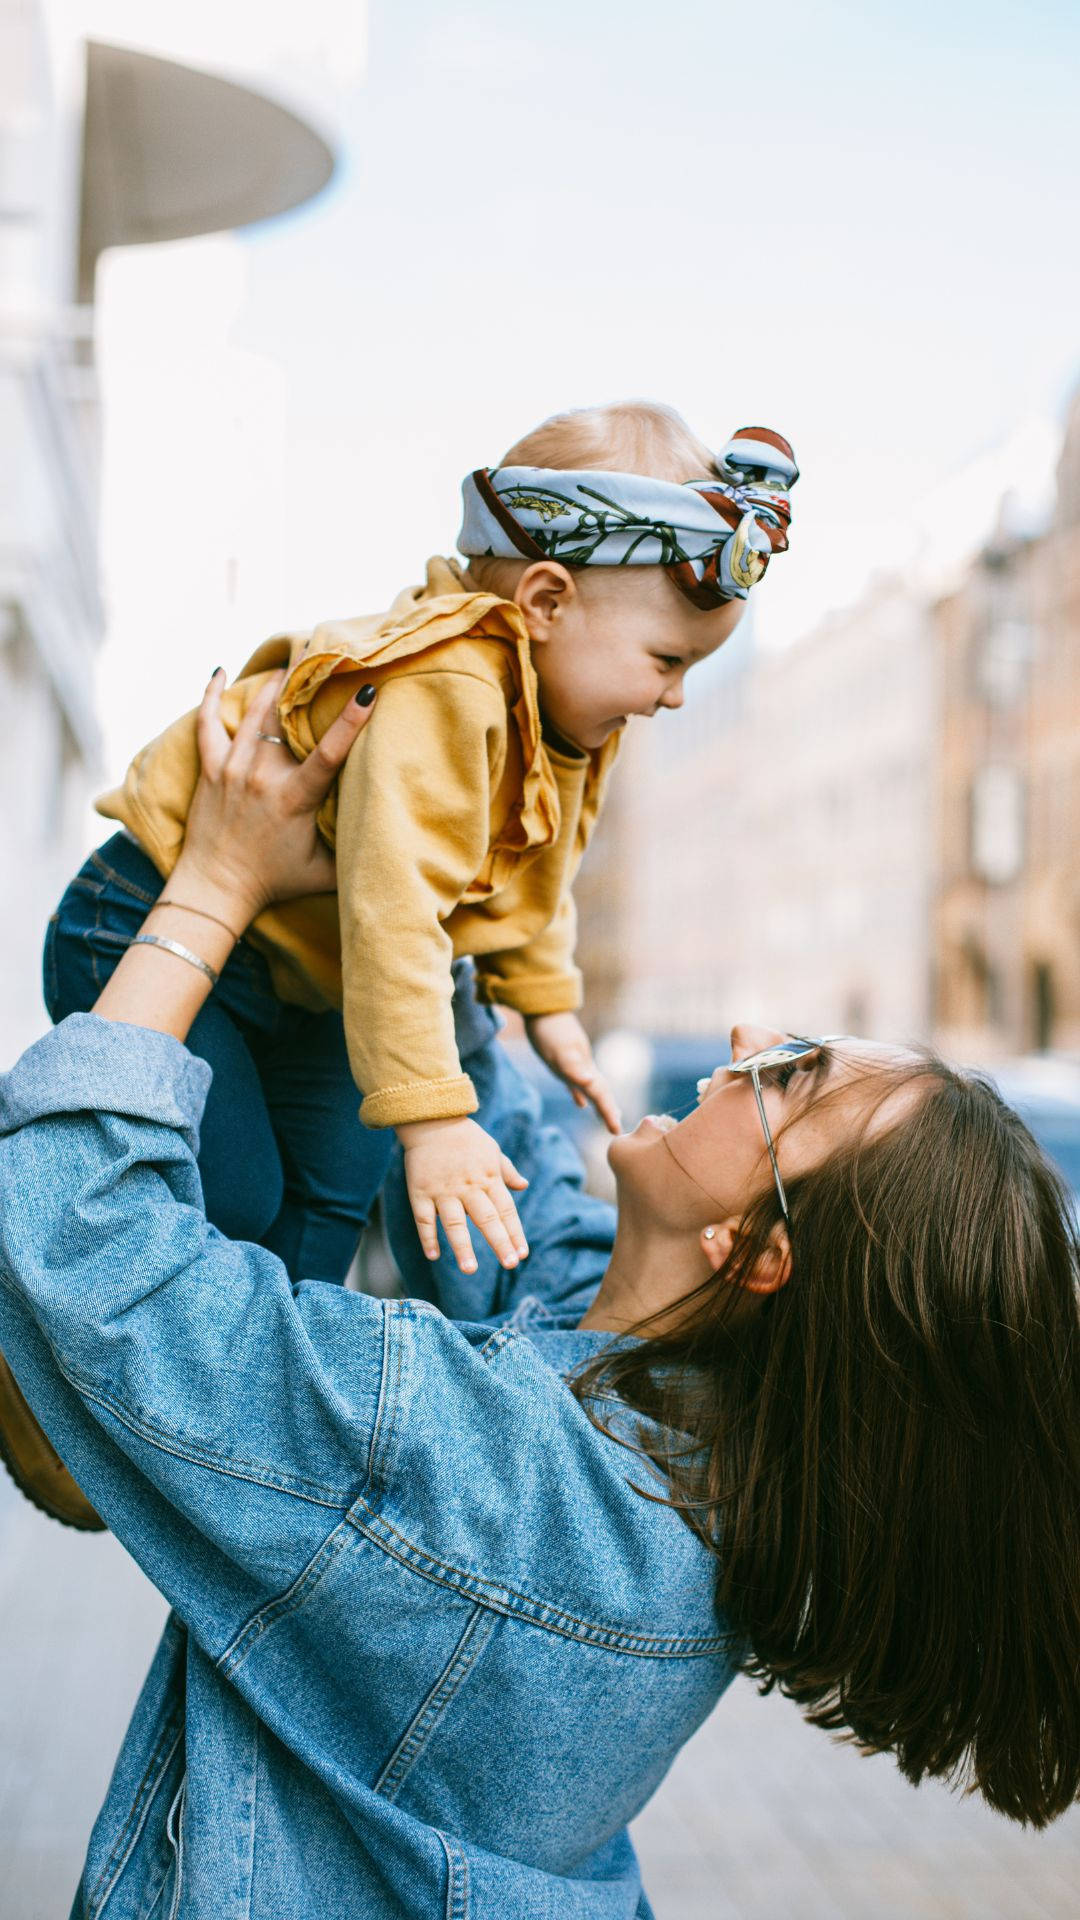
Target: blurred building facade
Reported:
[(1007, 923), (774, 841), (101, 146)]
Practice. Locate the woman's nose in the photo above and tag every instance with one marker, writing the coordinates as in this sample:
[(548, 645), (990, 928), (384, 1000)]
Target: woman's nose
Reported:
[(746, 1039)]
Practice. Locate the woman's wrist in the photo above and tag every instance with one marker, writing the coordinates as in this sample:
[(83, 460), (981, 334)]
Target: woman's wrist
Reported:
[(232, 903), (172, 965)]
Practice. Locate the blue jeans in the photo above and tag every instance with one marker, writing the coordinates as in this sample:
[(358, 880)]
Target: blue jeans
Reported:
[(283, 1157)]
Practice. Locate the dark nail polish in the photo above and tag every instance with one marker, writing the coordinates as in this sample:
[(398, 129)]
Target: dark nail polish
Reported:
[(365, 696), (216, 671)]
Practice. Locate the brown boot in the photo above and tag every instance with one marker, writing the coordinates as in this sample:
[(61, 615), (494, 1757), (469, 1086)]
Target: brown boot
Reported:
[(35, 1466)]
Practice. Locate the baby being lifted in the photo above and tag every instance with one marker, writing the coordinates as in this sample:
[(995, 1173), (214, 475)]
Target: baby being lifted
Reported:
[(608, 554)]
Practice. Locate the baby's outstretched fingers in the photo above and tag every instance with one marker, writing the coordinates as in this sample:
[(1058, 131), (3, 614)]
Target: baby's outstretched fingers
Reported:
[(511, 1175), (597, 1090), (452, 1216), (492, 1210), (427, 1229)]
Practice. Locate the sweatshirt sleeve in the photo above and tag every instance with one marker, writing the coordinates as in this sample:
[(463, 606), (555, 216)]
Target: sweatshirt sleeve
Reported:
[(539, 977), (412, 833)]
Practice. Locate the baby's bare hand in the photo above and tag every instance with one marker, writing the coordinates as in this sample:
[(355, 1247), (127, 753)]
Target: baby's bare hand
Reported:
[(563, 1045), (454, 1171)]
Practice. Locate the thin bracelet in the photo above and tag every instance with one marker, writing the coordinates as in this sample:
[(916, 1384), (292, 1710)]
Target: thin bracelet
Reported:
[(202, 913), (182, 953)]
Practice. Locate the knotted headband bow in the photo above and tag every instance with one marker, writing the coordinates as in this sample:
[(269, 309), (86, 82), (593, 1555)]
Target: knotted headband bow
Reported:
[(715, 537)]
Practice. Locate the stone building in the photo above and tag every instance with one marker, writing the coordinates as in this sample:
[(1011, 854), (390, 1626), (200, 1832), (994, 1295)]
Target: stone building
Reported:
[(1007, 921)]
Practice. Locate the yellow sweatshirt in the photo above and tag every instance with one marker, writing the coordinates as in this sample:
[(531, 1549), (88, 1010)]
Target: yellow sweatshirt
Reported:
[(458, 830)]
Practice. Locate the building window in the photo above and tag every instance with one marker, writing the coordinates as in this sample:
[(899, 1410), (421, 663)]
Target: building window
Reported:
[(1002, 656), (997, 825), (1042, 1005)]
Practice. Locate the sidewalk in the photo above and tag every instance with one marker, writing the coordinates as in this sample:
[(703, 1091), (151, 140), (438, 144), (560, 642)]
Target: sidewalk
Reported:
[(761, 1818)]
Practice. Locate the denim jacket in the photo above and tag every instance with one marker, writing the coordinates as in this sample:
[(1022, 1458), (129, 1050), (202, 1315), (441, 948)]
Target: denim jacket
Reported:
[(429, 1651)]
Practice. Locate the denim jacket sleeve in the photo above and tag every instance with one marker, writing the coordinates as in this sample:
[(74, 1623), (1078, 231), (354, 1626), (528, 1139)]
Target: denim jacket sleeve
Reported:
[(215, 1421), (570, 1232)]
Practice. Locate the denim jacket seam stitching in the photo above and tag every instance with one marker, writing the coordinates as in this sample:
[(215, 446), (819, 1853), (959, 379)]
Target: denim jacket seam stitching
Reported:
[(167, 1442), (495, 1343), (457, 1882), (176, 1841), (439, 1698), (280, 1605), (384, 1412), (501, 1598), (128, 1837)]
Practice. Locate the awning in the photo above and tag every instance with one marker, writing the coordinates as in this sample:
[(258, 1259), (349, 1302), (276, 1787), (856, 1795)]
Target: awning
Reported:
[(170, 151)]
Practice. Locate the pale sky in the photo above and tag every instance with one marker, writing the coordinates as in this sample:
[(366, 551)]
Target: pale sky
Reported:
[(851, 221)]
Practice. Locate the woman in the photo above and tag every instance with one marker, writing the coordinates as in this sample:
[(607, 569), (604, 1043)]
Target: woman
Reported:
[(450, 1593)]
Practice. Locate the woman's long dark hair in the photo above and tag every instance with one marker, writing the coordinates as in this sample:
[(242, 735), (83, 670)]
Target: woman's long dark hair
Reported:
[(886, 1457)]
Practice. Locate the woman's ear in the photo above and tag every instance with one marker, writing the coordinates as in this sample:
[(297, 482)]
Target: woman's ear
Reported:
[(771, 1269), (543, 592)]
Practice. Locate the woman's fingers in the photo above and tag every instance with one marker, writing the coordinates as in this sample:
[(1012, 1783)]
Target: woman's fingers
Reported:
[(210, 729), (261, 711), (319, 771)]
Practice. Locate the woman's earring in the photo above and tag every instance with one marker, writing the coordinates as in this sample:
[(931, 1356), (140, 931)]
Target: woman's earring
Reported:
[(710, 1233)]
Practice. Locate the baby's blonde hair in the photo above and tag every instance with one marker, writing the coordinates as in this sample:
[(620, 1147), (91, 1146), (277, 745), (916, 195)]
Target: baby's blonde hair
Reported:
[(630, 436)]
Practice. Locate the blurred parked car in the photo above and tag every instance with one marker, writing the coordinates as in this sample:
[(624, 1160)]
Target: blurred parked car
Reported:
[(1045, 1090)]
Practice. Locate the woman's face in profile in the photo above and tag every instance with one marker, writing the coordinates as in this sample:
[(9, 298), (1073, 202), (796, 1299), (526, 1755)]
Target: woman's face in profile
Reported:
[(714, 1164)]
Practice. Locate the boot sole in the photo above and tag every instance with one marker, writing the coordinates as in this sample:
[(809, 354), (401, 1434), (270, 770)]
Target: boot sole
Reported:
[(34, 1464)]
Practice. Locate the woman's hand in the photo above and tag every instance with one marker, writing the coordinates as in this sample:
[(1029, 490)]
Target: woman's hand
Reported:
[(251, 834), (250, 839)]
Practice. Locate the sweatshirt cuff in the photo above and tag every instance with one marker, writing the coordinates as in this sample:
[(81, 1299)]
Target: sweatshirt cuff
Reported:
[(420, 1100), (538, 993), (90, 1065)]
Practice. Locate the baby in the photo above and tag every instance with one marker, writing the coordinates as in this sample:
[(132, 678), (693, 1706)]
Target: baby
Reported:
[(608, 554)]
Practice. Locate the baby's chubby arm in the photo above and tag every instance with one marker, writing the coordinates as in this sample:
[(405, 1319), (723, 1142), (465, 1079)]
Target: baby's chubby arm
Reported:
[(413, 831)]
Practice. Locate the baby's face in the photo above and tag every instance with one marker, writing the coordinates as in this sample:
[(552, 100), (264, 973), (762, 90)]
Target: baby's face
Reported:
[(615, 643)]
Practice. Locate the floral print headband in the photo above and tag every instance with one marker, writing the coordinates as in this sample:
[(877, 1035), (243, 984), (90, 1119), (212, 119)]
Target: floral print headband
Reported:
[(715, 537)]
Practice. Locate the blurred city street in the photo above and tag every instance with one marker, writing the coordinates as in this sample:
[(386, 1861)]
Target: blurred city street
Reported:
[(761, 1818)]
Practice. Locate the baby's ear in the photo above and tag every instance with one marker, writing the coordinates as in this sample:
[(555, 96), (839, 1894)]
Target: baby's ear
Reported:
[(544, 592)]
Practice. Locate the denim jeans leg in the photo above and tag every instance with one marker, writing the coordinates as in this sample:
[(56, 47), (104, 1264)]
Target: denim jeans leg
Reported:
[(333, 1166), (238, 1157)]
